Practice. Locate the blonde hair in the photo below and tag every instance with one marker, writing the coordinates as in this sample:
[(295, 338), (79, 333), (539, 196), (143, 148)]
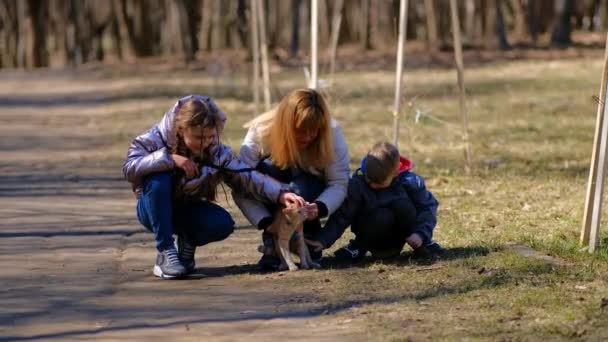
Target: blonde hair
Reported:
[(300, 110), (381, 162), (196, 113)]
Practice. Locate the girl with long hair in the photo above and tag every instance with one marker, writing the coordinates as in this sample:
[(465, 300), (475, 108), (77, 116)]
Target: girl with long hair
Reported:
[(175, 168)]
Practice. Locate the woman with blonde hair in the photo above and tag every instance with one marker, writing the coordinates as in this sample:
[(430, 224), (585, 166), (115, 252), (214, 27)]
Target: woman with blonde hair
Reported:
[(297, 143)]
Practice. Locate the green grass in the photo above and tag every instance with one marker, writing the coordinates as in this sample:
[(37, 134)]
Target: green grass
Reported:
[(532, 126)]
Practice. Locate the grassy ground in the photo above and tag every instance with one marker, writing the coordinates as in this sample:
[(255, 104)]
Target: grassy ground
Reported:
[(531, 126)]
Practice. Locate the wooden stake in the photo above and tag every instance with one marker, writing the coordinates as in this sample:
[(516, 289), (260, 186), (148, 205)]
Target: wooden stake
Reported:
[(399, 73), (314, 15), (255, 45), (595, 185), (264, 50), (335, 34), (460, 73)]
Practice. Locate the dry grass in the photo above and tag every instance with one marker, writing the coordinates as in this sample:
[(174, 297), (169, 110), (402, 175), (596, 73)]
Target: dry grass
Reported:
[(532, 126)]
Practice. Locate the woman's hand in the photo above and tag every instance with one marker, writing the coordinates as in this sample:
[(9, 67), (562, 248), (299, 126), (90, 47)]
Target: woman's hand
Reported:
[(289, 199), (312, 211), (189, 167)]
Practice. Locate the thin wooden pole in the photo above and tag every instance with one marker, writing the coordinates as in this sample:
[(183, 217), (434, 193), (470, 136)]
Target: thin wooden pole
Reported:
[(460, 74), (264, 51), (335, 34), (255, 45), (314, 15), (399, 73), (595, 185)]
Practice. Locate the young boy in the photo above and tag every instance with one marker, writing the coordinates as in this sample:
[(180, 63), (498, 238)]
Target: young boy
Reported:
[(387, 206)]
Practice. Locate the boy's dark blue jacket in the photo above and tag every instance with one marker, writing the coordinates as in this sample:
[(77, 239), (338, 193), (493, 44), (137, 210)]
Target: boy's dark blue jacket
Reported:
[(362, 199)]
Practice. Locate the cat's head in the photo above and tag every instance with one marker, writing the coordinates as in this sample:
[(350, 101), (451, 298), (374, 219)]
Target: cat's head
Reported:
[(295, 214)]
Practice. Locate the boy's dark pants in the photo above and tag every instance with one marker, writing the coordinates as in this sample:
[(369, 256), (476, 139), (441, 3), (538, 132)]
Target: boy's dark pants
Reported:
[(385, 228)]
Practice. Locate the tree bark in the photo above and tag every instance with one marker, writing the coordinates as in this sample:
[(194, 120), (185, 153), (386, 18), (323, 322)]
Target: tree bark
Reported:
[(366, 31), (142, 28), (469, 24), (431, 26), (561, 31), (294, 47), (519, 31), (204, 35), (58, 16), (127, 50), (335, 31), (10, 31), (501, 31)]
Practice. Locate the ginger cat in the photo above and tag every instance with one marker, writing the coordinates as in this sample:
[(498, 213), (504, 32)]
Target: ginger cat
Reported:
[(286, 222)]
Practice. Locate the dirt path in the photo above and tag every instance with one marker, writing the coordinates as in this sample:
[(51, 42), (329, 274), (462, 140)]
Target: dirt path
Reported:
[(76, 264)]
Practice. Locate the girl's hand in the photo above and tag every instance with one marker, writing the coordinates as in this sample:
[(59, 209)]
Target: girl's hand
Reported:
[(312, 211), (318, 246), (289, 199), (189, 167), (414, 240)]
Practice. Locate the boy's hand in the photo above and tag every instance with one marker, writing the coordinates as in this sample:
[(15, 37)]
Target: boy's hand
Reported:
[(318, 246), (312, 211), (189, 167), (414, 240)]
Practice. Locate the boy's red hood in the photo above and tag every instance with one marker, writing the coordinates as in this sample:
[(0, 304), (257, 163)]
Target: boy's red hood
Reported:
[(404, 164)]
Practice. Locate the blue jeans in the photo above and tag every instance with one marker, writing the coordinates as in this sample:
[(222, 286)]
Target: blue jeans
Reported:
[(200, 222), (306, 185)]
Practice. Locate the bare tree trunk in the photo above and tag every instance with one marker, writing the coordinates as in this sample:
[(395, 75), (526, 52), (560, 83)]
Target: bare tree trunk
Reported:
[(490, 25), (178, 27), (39, 25), (460, 75), (294, 47), (469, 25), (127, 49), (217, 40), (501, 31), (11, 31), (519, 31), (32, 43), (142, 28), (58, 15), (241, 24), (335, 34), (602, 13), (24, 33), (365, 33), (323, 23), (431, 26), (561, 31), (204, 35)]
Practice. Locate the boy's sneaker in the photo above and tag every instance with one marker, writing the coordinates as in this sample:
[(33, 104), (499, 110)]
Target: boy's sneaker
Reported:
[(185, 251), (168, 265), (428, 251), (350, 252)]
